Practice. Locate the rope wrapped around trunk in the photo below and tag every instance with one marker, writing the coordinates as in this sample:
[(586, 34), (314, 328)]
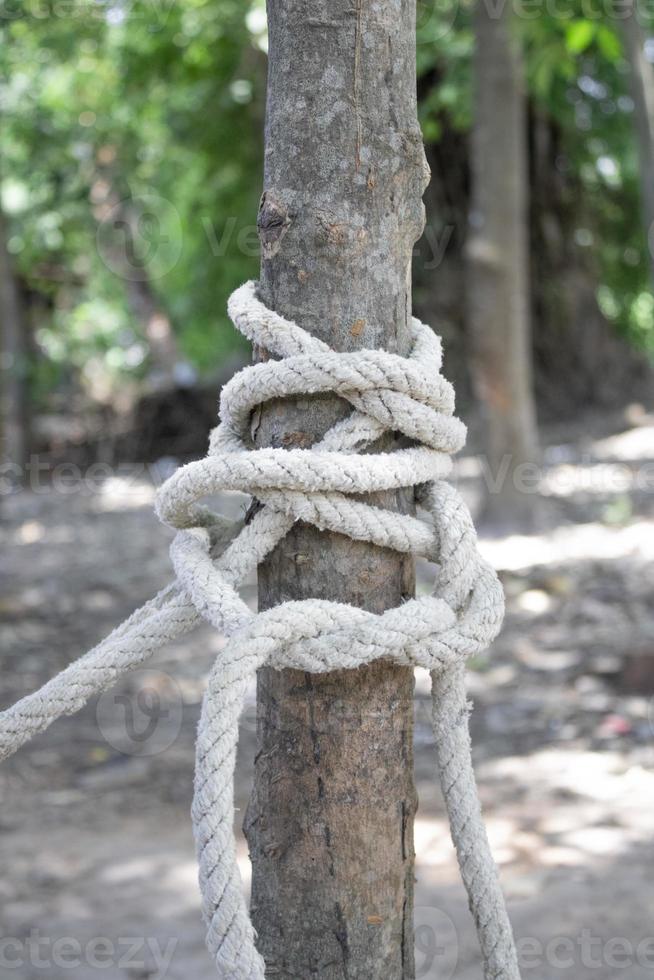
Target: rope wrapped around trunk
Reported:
[(212, 556)]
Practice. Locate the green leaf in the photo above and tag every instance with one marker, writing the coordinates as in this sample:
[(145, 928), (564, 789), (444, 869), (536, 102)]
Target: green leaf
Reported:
[(431, 130), (579, 35), (609, 43)]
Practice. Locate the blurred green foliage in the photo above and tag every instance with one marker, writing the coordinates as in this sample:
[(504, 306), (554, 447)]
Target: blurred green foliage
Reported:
[(159, 104), (576, 75)]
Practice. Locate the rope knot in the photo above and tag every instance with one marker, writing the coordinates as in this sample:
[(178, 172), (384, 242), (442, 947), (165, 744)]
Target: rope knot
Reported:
[(322, 485), (212, 557)]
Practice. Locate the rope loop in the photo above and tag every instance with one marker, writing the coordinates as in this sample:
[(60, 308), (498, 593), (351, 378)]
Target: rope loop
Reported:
[(322, 486)]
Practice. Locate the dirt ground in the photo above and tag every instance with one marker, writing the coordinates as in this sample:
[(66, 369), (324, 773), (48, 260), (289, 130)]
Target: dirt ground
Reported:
[(97, 870)]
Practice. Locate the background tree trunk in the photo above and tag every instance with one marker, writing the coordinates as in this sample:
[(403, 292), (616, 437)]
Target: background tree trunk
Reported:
[(580, 361), (165, 359), (642, 91), (330, 822), (498, 259), (14, 413)]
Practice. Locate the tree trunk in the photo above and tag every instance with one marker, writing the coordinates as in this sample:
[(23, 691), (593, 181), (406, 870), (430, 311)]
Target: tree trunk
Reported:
[(642, 91), (330, 821), (121, 248), (14, 416), (165, 358), (580, 361), (498, 257)]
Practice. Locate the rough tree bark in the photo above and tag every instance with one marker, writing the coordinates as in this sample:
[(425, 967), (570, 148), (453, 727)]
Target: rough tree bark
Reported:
[(642, 91), (330, 821), (14, 414), (498, 257)]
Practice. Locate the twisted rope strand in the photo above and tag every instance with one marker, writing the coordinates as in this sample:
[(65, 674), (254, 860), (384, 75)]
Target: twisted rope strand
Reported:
[(212, 556)]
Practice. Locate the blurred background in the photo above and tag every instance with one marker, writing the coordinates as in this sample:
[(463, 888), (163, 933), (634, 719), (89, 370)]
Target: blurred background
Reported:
[(130, 172)]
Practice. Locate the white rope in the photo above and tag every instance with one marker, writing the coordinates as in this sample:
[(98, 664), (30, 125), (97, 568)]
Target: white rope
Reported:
[(211, 558)]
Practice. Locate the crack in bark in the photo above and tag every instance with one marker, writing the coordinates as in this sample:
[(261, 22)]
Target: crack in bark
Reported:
[(357, 80)]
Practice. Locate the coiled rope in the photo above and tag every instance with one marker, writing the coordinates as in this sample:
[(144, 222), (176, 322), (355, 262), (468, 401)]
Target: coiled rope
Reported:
[(212, 556)]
